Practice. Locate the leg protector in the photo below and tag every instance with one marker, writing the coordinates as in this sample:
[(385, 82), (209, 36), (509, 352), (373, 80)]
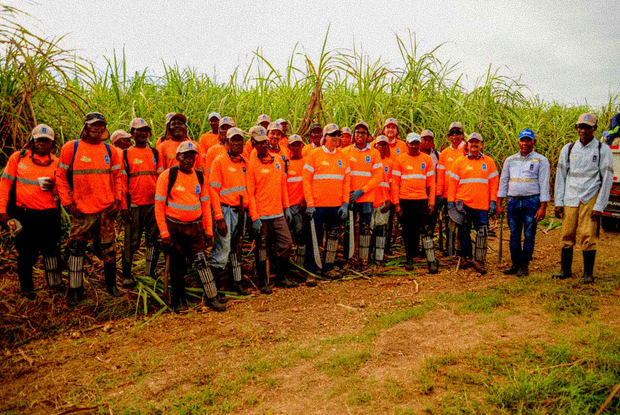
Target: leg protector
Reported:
[(429, 249), (52, 271), (206, 276), (364, 242), (152, 255), (262, 248), (380, 239), (332, 246), (76, 271), (481, 244), (300, 255), (236, 267), (451, 238)]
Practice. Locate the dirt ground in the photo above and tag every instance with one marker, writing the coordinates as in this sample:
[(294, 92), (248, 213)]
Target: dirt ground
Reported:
[(299, 350)]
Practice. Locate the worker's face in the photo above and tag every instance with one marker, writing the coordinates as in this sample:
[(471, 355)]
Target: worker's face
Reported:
[(274, 138), (390, 131), (42, 146), (95, 131), (586, 133), (222, 132), (315, 135), (455, 136), (382, 146), (413, 148), (474, 147), (345, 140), (186, 161), (332, 141), (123, 143), (262, 148), (526, 145), (360, 137), (296, 149), (177, 128), (235, 145), (141, 135), (427, 144), (214, 122)]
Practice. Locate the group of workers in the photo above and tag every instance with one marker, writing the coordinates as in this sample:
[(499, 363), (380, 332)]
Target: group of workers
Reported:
[(295, 198)]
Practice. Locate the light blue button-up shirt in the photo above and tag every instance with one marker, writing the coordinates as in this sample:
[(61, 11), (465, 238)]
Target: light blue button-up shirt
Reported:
[(525, 176), (580, 182)]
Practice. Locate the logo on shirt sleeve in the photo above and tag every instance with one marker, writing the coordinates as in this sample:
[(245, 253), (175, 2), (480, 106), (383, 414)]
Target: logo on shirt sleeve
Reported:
[(367, 159), (106, 158), (197, 189), (339, 163), (594, 157), (398, 151), (278, 166), (423, 166), (531, 166)]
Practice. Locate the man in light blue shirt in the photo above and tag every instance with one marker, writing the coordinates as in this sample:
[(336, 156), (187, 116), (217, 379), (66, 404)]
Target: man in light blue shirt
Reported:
[(525, 181), (582, 185)]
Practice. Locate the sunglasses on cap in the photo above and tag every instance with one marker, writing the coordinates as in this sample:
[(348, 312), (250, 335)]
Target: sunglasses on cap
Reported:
[(335, 134), (455, 132), (42, 140), (584, 126)]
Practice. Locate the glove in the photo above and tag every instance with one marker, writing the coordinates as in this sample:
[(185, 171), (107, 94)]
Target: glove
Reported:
[(288, 215), (460, 206), (356, 194), (450, 205), (310, 212), (257, 225), (343, 211), (493, 207)]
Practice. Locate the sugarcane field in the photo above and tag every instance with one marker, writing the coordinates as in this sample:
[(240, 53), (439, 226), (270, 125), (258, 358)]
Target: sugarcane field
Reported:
[(309, 208)]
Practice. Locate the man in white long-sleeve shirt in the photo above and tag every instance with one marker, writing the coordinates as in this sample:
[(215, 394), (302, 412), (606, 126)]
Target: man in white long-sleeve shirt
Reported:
[(582, 185)]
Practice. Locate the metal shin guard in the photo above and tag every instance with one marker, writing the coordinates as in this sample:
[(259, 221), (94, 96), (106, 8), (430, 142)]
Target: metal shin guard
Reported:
[(52, 271), (76, 271), (451, 238), (332, 246), (427, 243), (205, 275), (262, 248), (364, 243), (236, 267), (380, 232), (300, 255), (481, 243), (152, 255)]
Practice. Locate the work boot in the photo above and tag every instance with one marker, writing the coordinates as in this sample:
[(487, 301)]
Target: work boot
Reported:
[(513, 270), (310, 282), (524, 270), (238, 288), (480, 267), (263, 286), (567, 263), (128, 280), (332, 274), (261, 275), (409, 265), (215, 305), (433, 267), (465, 263), (218, 275), (588, 267), (282, 273), (109, 270)]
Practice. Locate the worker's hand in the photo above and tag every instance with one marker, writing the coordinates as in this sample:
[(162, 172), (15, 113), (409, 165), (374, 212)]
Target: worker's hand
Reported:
[(398, 210), (492, 208), (559, 212), (460, 206), (288, 215), (220, 226), (386, 206), (540, 214), (356, 194), (596, 213), (451, 205), (126, 216), (166, 242), (114, 208), (343, 211), (257, 225), (310, 212), (4, 218), (208, 239), (73, 210), (47, 185)]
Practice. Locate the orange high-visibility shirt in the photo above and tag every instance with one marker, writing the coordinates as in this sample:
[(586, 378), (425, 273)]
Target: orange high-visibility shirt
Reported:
[(96, 176), (294, 183), (25, 171), (397, 148), (308, 148), (188, 201), (474, 181), (383, 191), (227, 183), (168, 155), (326, 178), (123, 174), (247, 149), (366, 170), (266, 188), (212, 154), (282, 154), (141, 176), (413, 178), (446, 158), (206, 141)]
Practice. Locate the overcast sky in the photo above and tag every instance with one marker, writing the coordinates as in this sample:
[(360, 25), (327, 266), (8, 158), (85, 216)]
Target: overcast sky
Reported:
[(567, 51)]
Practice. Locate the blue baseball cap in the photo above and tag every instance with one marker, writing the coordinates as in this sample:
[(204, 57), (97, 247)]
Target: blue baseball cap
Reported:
[(527, 133)]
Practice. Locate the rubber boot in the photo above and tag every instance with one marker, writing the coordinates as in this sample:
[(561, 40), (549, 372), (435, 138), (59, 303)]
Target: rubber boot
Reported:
[(524, 270), (513, 270), (261, 275), (109, 270), (128, 280), (214, 304), (218, 274), (238, 288), (282, 272), (588, 267), (567, 263)]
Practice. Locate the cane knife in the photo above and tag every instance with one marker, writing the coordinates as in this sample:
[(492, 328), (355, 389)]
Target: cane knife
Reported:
[(315, 244), (501, 237), (351, 241)]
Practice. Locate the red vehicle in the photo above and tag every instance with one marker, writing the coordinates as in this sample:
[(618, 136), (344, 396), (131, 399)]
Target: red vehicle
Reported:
[(611, 216)]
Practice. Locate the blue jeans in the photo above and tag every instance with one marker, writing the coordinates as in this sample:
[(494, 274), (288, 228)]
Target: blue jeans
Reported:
[(323, 217), (362, 211), (221, 244), (473, 217), (522, 218)]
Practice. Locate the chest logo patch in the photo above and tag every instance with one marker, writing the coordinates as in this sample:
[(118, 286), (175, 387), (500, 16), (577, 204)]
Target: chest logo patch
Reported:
[(531, 166), (86, 159), (106, 158), (138, 161), (423, 166), (232, 169), (339, 163), (197, 189), (21, 166), (180, 188), (484, 167), (367, 159), (265, 171)]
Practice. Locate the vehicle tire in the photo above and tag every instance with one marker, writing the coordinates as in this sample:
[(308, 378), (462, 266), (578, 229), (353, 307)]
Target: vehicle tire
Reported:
[(610, 224)]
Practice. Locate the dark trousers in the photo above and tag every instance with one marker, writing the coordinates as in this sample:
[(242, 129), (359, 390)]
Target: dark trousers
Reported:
[(475, 218), (522, 219), (279, 240), (188, 240), (142, 222), (40, 234), (414, 221)]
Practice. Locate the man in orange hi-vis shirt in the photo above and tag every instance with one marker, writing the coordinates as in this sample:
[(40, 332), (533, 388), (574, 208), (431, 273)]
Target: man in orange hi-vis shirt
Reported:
[(383, 199), (366, 174), (184, 220), (89, 185), (220, 148), (315, 135), (30, 173), (176, 133), (447, 156), (326, 183), (229, 199), (473, 182), (413, 195), (210, 138), (269, 210), (390, 130), (138, 205)]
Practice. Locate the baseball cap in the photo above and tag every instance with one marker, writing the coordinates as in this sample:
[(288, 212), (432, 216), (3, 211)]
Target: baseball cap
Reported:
[(257, 133), (138, 123), (93, 117), (411, 137), (172, 115), (314, 125), (274, 126), (330, 129), (186, 146), (43, 130), (587, 118), (427, 133), (263, 118), (527, 133), (382, 139), (294, 138), (282, 121), (345, 130), (390, 121), (118, 134), (233, 132), (227, 121), (475, 136), (361, 124), (216, 115), (455, 124)]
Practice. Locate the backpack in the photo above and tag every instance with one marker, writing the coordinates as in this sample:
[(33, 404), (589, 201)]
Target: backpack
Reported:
[(11, 206), (172, 178), (70, 170), (126, 163)]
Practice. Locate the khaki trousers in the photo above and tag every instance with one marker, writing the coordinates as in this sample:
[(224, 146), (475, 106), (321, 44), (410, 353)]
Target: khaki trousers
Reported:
[(578, 226)]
